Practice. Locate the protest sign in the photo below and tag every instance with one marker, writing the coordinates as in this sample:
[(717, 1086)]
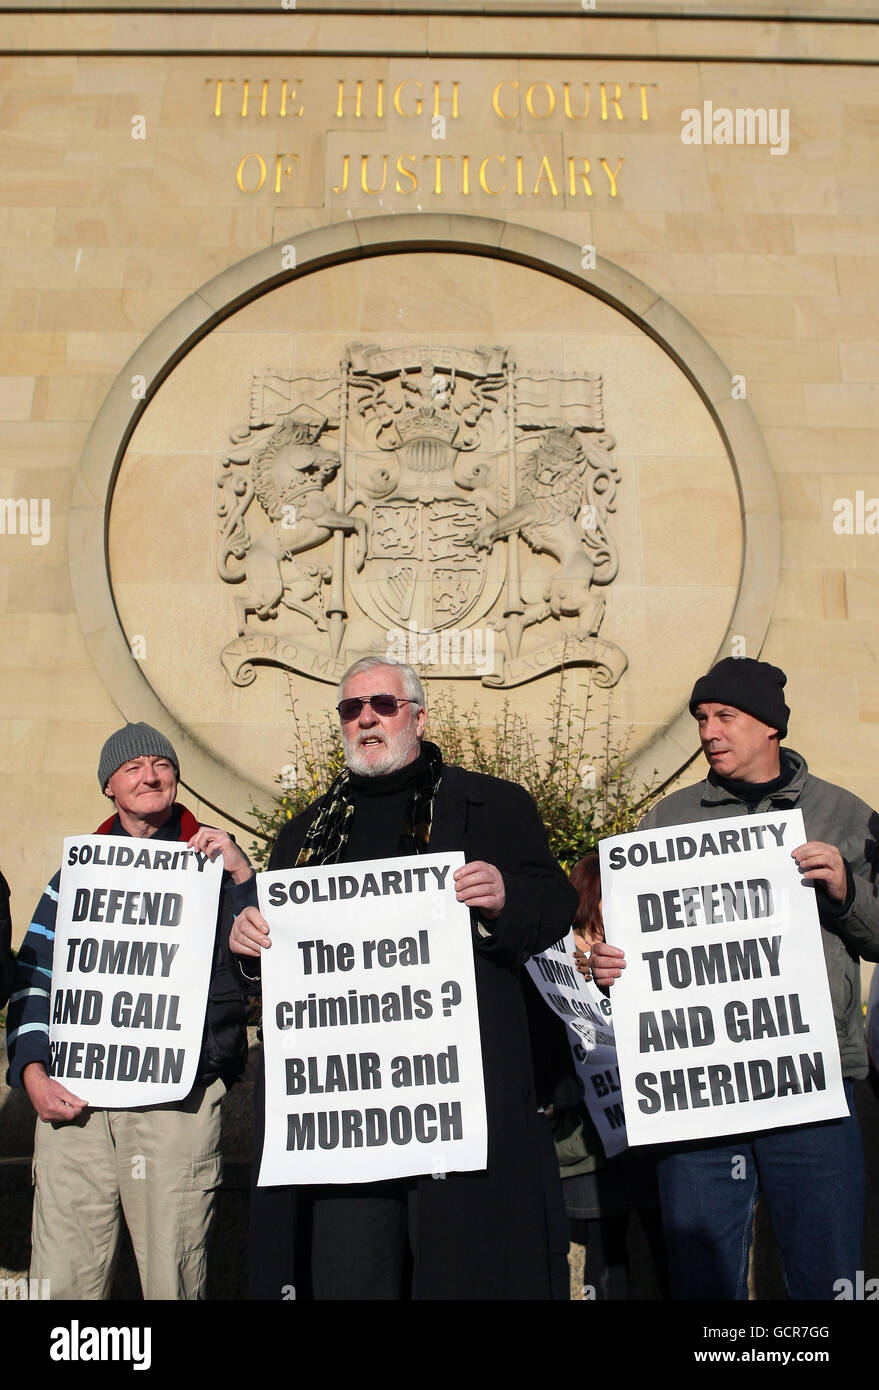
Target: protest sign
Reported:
[(134, 946), (586, 1014), (722, 1015), (370, 1026)]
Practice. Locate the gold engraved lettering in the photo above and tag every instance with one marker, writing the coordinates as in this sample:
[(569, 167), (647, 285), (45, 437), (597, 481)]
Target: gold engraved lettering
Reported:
[(239, 173), (438, 169), (612, 176), (419, 102), (643, 86), (283, 107), (364, 161), (572, 178), (358, 100), (218, 100), (495, 101), (545, 171), (285, 169), (344, 187), (483, 182), (453, 98), (550, 99), (614, 101), (407, 173), (566, 88)]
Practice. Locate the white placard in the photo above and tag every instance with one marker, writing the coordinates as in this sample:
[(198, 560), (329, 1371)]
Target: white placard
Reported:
[(586, 1014), (370, 1026), (134, 945), (722, 1015)]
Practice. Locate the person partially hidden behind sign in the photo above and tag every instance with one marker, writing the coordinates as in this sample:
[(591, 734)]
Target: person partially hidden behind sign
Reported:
[(478, 1235), (811, 1176), (159, 1163)]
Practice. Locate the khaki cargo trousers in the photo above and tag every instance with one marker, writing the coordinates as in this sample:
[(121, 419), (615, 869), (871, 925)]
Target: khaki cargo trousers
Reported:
[(159, 1167)]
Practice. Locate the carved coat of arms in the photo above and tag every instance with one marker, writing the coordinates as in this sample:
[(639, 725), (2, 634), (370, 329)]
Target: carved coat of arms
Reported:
[(393, 505)]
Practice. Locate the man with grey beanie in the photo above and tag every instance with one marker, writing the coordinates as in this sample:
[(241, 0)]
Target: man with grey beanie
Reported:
[(159, 1164), (811, 1176)]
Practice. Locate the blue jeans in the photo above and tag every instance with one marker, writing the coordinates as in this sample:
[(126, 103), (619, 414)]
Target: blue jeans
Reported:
[(812, 1181)]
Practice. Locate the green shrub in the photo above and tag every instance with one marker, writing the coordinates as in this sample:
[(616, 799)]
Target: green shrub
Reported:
[(316, 759)]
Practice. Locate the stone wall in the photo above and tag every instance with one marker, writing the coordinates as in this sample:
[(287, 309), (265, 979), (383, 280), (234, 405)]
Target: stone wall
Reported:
[(732, 312)]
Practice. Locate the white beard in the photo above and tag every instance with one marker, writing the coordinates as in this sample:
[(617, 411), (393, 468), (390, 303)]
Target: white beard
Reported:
[(397, 753)]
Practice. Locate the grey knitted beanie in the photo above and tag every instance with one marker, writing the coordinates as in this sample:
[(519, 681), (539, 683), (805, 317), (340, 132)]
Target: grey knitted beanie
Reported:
[(134, 741)]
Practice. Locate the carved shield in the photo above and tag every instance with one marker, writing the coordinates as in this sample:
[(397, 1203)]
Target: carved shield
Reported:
[(422, 565)]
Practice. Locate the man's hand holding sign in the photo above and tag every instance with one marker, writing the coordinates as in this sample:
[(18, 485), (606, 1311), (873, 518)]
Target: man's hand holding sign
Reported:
[(134, 948), (817, 863), (371, 1032), (144, 1015), (392, 925), (737, 996), (722, 1022), (477, 885)]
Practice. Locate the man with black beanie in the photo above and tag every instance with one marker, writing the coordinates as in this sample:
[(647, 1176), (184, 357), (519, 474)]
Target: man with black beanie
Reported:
[(811, 1176)]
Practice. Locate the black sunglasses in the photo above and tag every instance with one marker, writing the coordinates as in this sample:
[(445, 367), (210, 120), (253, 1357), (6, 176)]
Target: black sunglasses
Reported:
[(383, 705)]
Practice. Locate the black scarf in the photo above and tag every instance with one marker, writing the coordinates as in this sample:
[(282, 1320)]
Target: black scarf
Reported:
[(328, 833)]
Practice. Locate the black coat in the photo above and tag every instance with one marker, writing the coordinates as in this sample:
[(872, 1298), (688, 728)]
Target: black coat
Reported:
[(7, 959), (483, 1235)]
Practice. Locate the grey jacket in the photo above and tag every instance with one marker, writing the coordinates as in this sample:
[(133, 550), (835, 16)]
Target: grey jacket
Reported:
[(835, 817)]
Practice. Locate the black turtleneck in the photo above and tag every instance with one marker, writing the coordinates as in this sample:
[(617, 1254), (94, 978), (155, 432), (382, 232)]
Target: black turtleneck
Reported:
[(752, 793), (379, 806)]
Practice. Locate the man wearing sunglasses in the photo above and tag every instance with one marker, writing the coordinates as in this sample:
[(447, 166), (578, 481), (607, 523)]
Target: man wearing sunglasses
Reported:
[(472, 1235)]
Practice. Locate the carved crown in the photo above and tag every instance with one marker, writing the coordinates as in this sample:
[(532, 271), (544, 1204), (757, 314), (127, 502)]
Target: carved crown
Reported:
[(426, 440)]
